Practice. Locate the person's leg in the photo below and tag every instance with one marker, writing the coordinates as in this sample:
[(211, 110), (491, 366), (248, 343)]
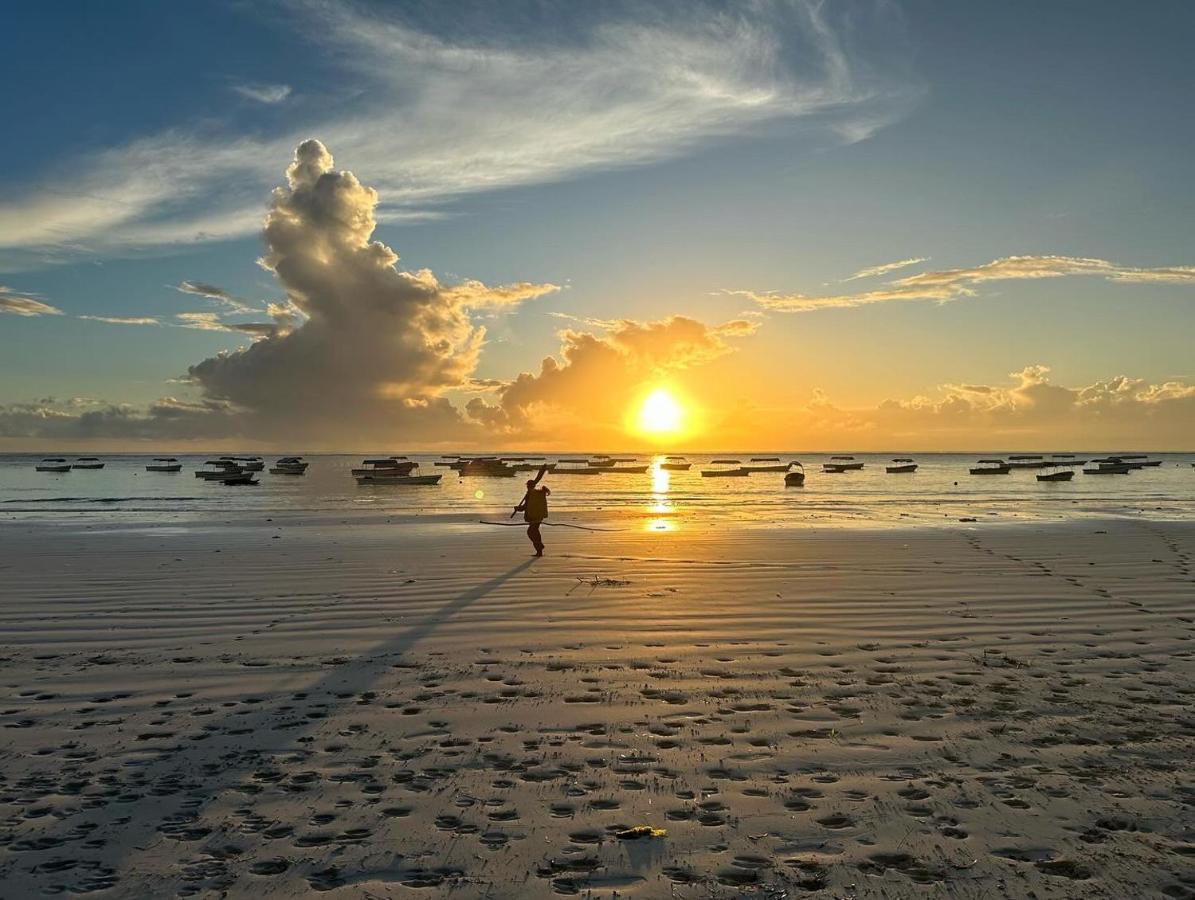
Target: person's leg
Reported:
[(536, 540)]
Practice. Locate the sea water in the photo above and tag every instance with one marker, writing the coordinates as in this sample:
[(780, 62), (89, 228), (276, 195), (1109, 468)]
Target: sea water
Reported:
[(940, 491)]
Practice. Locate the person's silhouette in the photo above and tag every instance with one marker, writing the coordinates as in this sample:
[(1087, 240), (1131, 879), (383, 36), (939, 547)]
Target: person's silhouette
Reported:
[(535, 510)]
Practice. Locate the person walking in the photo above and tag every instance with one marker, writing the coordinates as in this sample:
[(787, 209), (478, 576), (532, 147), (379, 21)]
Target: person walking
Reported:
[(534, 507)]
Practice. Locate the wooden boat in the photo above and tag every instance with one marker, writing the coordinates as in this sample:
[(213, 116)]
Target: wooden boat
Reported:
[(245, 477), (1109, 469), (1058, 474), (991, 467), (626, 470), (53, 464), (726, 462), (771, 467), (600, 463), (486, 467), (87, 462), (383, 478), (902, 464), (164, 464), (795, 477), (384, 465), (840, 464), (1026, 461), (246, 463), (289, 465), (763, 459), (676, 464), (534, 466), (724, 473), (226, 470)]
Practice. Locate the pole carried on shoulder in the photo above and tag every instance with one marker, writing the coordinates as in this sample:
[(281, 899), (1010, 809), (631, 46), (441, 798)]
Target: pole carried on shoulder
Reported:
[(522, 503)]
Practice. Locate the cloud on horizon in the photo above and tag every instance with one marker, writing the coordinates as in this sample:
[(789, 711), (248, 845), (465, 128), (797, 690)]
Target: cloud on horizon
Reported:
[(27, 305), (954, 284), (433, 118)]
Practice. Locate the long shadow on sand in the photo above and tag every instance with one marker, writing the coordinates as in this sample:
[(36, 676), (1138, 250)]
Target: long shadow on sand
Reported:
[(181, 781)]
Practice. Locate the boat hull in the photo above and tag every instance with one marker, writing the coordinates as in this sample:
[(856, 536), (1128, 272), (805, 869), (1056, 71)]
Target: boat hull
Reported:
[(399, 479), (170, 468), (898, 470), (53, 468), (676, 467), (794, 479), (1057, 476)]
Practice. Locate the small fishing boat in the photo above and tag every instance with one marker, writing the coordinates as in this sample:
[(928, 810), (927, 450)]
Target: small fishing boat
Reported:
[(726, 462), (246, 463), (840, 464), (901, 464), (1065, 459), (486, 467), (239, 478), (601, 462), (1056, 473), (386, 465), (676, 464), (87, 462), (764, 459), (382, 478), (626, 470), (991, 467), (1108, 468), (724, 473), (1026, 461), (53, 464), (220, 469), (795, 477), (289, 465), (533, 466), (164, 464)]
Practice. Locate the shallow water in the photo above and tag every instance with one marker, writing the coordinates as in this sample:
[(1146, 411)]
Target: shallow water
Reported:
[(940, 491)]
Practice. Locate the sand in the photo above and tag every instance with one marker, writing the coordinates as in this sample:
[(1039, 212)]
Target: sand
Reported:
[(275, 708)]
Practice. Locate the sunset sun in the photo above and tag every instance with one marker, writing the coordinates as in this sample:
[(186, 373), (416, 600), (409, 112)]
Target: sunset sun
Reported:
[(660, 415)]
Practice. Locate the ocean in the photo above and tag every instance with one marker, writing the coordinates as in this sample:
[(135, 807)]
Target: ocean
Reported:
[(940, 491)]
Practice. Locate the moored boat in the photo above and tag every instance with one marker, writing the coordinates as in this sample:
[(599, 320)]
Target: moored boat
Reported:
[(383, 478), (289, 465), (87, 462), (486, 467), (1056, 473), (53, 464), (387, 465), (164, 464), (901, 464), (676, 464), (839, 464), (725, 473), (239, 478), (795, 477), (991, 467)]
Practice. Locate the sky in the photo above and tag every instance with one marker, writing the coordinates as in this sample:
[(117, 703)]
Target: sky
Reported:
[(853, 225)]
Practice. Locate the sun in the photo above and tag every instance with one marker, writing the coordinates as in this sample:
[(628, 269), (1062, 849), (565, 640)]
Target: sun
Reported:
[(660, 415)]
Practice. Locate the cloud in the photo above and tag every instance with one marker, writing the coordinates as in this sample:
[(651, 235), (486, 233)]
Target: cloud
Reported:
[(953, 284), (24, 305), (885, 268), (263, 93), (433, 118), (585, 390), (124, 320)]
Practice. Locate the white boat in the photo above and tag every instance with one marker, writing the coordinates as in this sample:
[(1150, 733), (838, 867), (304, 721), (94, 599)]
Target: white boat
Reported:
[(289, 465), (676, 464), (164, 464), (88, 462), (53, 464), (384, 478)]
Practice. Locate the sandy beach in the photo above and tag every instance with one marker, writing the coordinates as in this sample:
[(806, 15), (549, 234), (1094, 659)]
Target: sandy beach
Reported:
[(267, 708)]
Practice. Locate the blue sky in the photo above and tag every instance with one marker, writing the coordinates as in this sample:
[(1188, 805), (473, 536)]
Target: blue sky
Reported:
[(650, 161)]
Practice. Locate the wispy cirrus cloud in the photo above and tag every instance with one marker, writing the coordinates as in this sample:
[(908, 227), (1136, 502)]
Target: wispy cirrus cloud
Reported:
[(124, 320), (263, 93), (885, 268), (19, 304), (953, 284), (435, 118)]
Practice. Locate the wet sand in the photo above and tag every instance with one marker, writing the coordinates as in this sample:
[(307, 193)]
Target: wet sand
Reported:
[(272, 708)]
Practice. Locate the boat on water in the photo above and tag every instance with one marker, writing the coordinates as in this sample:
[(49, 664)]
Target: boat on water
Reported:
[(795, 476), (486, 467), (725, 473), (676, 464), (88, 462), (900, 465), (839, 464), (626, 470), (1026, 461), (382, 478), (384, 465), (218, 470), (1065, 459), (726, 462), (763, 459), (164, 464), (767, 467), (289, 465), (580, 470), (1056, 473), (247, 463), (244, 477), (534, 466), (53, 464), (991, 467), (600, 462), (1108, 468)]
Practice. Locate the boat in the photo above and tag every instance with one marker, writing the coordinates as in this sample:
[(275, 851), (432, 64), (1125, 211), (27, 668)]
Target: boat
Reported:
[(600, 462), (289, 465), (382, 478), (53, 464), (1057, 473), (770, 467), (902, 464), (1065, 459), (726, 462), (626, 470), (795, 477), (221, 469), (87, 462), (676, 464), (164, 464), (991, 467), (1026, 461), (579, 470), (246, 463), (724, 473), (245, 477), (534, 466), (384, 465), (486, 467), (840, 464), (1108, 468), (765, 459)]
